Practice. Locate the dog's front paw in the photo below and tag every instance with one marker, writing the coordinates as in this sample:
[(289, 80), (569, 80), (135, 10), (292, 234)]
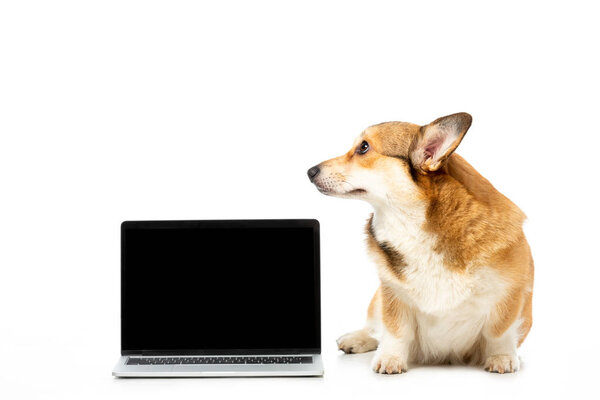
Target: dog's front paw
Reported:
[(356, 342), (502, 363), (389, 364)]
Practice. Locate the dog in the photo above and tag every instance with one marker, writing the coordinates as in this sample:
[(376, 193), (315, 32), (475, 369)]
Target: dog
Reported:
[(455, 268)]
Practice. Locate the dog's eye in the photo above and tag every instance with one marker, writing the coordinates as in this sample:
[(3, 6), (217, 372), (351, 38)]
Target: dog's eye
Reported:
[(364, 147)]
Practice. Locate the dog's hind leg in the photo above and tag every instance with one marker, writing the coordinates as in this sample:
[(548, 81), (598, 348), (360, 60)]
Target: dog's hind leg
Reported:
[(363, 340), (502, 333), (510, 321)]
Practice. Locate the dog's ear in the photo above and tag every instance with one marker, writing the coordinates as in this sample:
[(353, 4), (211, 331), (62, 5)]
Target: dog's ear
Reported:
[(436, 141)]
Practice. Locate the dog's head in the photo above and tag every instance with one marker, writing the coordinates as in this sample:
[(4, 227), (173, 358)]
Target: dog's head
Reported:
[(389, 158)]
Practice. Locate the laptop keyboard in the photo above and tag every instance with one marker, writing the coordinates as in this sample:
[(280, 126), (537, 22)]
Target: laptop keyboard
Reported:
[(219, 360)]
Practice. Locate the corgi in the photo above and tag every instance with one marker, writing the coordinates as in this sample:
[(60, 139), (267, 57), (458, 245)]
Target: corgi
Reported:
[(455, 268)]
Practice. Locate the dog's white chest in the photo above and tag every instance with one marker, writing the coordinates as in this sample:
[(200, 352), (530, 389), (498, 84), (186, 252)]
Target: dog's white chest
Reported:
[(433, 288), (428, 284)]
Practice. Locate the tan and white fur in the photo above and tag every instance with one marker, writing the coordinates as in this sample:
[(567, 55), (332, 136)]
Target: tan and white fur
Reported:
[(455, 268)]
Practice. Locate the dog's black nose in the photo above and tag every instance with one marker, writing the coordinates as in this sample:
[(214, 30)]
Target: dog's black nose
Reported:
[(314, 171)]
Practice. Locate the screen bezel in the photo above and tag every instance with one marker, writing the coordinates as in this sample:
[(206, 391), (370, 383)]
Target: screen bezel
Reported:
[(247, 223)]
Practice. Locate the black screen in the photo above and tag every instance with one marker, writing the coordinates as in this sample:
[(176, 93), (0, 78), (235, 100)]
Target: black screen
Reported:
[(220, 286)]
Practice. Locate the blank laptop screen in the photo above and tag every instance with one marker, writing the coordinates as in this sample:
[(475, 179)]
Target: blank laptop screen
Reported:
[(220, 286)]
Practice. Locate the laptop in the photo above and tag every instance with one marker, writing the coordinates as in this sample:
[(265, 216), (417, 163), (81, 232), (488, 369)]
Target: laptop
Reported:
[(220, 298)]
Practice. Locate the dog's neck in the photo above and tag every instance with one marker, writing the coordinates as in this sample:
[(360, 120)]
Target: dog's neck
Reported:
[(393, 219)]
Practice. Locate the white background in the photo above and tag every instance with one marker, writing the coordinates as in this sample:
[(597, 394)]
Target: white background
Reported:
[(115, 110)]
